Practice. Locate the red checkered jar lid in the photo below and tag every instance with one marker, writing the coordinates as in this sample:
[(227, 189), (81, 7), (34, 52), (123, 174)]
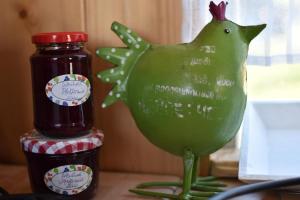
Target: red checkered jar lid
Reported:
[(35, 142)]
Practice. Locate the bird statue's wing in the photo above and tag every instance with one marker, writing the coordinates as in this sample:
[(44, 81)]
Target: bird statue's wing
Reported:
[(124, 60)]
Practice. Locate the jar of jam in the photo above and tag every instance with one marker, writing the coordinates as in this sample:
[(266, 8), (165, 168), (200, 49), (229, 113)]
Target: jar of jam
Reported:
[(66, 167), (62, 84)]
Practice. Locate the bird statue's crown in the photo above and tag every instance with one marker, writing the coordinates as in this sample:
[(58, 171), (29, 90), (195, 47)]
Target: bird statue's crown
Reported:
[(218, 11)]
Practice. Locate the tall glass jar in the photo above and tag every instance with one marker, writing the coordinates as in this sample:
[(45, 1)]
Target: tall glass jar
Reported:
[(62, 84)]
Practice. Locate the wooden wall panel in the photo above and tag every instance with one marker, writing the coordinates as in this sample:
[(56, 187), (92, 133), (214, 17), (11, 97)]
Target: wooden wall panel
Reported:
[(20, 19), (125, 148)]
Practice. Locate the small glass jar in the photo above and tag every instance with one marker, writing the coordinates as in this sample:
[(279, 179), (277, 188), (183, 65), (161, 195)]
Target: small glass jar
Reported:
[(67, 167), (62, 84)]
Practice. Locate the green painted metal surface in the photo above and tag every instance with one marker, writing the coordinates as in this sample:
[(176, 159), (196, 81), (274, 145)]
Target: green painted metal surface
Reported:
[(186, 95), (185, 98)]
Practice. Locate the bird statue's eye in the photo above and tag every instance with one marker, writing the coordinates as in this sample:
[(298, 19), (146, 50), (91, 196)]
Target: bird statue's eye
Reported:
[(227, 30)]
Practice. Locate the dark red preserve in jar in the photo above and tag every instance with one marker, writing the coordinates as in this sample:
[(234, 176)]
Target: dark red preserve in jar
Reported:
[(63, 167), (62, 84)]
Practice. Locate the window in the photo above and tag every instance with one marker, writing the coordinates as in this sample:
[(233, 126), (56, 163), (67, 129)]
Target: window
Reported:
[(273, 65)]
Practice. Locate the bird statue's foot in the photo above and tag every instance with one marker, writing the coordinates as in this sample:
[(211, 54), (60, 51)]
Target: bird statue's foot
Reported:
[(192, 195), (209, 184), (201, 188), (191, 187)]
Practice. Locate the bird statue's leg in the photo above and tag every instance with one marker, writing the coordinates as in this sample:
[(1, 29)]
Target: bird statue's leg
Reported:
[(206, 184), (203, 187), (188, 162), (186, 194), (195, 169)]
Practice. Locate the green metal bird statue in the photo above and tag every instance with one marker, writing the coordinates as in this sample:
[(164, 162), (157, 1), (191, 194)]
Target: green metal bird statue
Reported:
[(188, 99)]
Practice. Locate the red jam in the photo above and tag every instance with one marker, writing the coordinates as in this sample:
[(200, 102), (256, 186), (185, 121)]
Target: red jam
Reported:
[(62, 84), (63, 167)]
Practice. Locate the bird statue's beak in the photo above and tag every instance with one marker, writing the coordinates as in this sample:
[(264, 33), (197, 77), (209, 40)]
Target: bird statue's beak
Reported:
[(251, 32)]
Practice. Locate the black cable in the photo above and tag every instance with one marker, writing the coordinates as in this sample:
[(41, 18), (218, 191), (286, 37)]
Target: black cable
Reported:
[(3, 192), (245, 189)]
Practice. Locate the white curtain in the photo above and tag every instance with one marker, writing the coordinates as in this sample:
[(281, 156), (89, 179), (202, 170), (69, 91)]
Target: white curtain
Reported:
[(279, 43)]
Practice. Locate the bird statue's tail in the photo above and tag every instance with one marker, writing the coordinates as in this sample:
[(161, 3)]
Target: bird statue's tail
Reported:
[(124, 60)]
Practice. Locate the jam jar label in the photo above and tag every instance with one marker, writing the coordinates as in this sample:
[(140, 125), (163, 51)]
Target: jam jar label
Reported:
[(68, 89), (69, 179)]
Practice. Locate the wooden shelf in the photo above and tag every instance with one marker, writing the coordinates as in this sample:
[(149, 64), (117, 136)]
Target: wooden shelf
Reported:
[(114, 186)]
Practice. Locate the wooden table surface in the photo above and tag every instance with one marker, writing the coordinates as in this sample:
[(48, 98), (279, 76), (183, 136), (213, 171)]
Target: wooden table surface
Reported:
[(114, 186)]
